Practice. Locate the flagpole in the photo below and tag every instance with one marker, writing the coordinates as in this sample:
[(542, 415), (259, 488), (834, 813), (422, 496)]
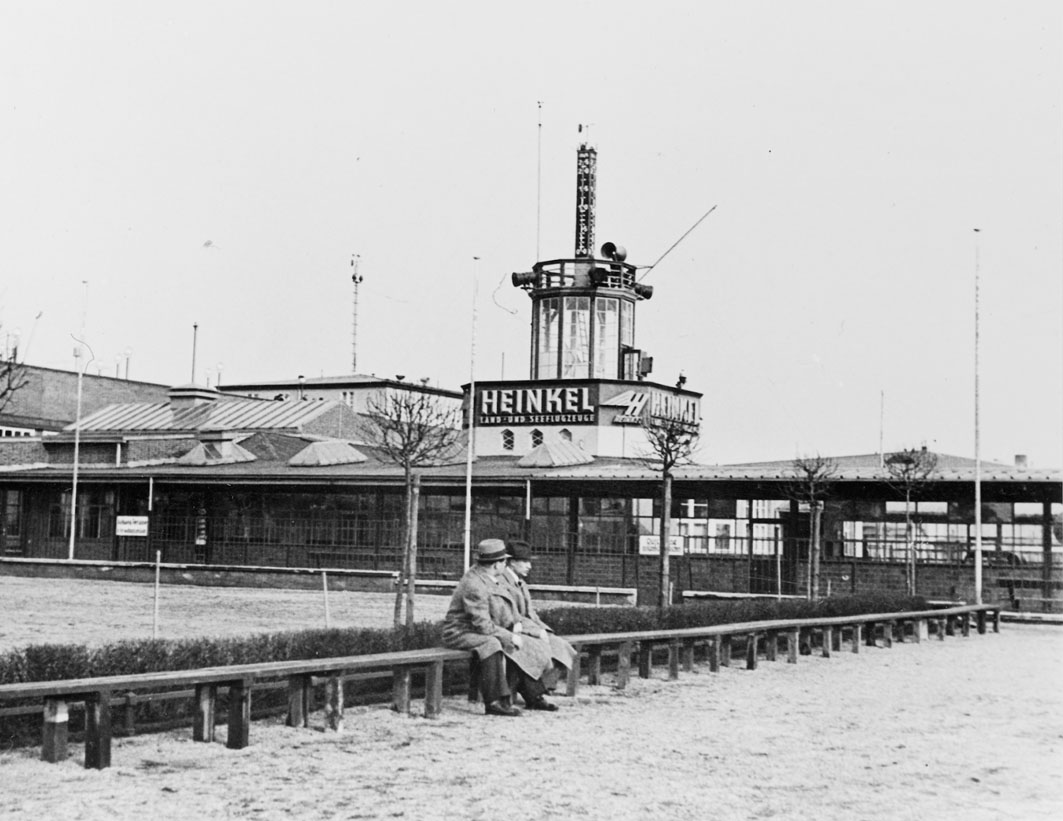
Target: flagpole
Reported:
[(471, 426), (977, 432)]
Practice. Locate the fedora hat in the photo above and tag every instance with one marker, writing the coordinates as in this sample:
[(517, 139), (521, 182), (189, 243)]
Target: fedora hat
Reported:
[(520, 552), (490, 551)]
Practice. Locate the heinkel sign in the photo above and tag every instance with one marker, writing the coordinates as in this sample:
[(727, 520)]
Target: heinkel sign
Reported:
[(537, 405)]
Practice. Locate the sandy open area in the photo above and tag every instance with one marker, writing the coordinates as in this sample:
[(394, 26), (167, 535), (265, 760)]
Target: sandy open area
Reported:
[(39, 611), (968, 728)]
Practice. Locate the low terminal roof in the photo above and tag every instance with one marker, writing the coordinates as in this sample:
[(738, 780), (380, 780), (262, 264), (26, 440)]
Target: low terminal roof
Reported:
[(228, 414)]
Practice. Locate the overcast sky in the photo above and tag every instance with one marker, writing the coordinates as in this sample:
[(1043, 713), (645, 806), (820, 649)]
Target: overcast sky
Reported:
[(219, 163)]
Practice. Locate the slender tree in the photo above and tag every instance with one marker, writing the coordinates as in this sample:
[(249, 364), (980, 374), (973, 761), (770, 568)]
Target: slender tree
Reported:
[(671, 443), (12, 376), (812, 479), (909, 470), (412, 430)]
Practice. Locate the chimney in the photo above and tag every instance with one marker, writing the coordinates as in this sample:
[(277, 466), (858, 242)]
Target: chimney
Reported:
[(1020, 461), (184, 397)]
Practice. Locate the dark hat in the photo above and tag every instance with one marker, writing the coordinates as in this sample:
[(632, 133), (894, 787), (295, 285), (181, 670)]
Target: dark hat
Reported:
[(490, 551), (520, 552)]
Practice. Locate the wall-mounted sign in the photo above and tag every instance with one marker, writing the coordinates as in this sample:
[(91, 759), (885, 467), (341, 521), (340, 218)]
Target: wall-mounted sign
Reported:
[(645, 405), (651, 545), (537, 406), (131, 526)]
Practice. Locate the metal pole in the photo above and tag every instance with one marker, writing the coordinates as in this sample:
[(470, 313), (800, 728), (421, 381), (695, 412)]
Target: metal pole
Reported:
[(356, 279), (195, 333), (471, 428), (977, 436), (155, 617), (324, 585), (78, 353)]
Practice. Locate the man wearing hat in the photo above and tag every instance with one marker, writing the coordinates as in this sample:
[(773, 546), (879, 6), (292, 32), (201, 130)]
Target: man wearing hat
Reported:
[(484, 617), (561, 652)]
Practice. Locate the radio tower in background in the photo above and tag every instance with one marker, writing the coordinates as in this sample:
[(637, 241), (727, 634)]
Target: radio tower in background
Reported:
[(356, 279)]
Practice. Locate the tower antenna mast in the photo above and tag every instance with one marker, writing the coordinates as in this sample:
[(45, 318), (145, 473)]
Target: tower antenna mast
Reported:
[(356, 280)]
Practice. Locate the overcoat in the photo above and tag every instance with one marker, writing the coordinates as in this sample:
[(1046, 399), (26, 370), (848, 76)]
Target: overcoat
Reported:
[(560, 650), (482, 614)]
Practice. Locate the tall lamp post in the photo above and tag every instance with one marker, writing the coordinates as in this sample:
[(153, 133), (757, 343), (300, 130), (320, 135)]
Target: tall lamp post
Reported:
[(78, 353)]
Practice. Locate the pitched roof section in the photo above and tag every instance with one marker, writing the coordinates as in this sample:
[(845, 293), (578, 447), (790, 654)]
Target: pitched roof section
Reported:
[(231, 414), (206, 454), (327, 452), (555, 454)]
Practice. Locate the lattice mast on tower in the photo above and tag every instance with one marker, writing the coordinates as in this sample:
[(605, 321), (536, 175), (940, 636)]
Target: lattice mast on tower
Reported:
[(356, 280)]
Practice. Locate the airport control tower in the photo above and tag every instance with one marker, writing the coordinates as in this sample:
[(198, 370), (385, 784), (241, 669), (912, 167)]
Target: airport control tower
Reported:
[(587, 395)]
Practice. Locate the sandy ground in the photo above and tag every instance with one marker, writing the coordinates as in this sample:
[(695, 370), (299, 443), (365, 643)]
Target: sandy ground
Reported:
[(961, 729), (38, 611)]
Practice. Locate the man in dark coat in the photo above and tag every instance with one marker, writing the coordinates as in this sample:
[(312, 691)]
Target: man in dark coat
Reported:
[(484, 617), (561, 652)]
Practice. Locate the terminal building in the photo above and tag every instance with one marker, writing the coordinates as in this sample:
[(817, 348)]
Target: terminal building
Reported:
[(283, 474)]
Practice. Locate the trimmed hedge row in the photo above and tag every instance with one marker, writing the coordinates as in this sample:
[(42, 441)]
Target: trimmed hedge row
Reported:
[(46, 662)]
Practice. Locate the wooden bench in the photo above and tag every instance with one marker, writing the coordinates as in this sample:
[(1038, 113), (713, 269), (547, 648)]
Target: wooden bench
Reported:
[(97, 694), (681, 643)]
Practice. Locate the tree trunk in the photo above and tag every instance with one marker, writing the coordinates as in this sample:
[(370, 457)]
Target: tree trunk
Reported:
[(816, 548), (411, 549), (663, 596), (908, 537), (400, 591)]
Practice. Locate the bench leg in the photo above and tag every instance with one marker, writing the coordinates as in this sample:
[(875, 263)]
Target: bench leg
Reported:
[(940, 629), (673, 659), (688, 655), (433, 690), (203, 723), (725, 651), (751, 651), (623, 664), (98, 730), (996, 621), (950, 626), (921, 632), (645, 659), (857, 628), (572, 679), (793, 642), (981, 622), (714, 654), (400, 690), (56, 730), (887, 634), (828, 641), (771, 646), (594, 664), (239, 735), (299, 688)]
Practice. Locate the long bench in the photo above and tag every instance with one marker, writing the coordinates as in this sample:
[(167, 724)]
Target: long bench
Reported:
[(864, 628), (240, 679)]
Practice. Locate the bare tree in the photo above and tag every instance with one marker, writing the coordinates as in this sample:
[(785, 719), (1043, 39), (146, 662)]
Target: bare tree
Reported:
[(13, 376), (671, 443), (813, 477), (909, 470), (412, 430)]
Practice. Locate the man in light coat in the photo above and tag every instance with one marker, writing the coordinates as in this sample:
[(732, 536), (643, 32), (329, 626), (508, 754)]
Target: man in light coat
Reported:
[(484, 617), (561, 652)]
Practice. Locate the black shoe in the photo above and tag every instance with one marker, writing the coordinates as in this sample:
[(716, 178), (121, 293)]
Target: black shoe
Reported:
[(541, 704), (497, 708)]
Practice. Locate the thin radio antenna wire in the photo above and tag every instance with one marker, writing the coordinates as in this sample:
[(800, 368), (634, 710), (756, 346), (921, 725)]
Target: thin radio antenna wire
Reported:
[(539, 183), (674, 244)]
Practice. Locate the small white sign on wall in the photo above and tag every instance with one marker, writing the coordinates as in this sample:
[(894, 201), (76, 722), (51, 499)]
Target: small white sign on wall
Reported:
[(651, 545), (131, 526)]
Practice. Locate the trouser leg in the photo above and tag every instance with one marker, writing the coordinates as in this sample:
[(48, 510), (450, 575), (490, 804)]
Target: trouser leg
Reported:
[(530, 689), (494, 684)]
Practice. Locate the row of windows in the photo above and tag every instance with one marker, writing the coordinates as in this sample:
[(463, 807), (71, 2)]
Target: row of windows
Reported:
[(509, 438)]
